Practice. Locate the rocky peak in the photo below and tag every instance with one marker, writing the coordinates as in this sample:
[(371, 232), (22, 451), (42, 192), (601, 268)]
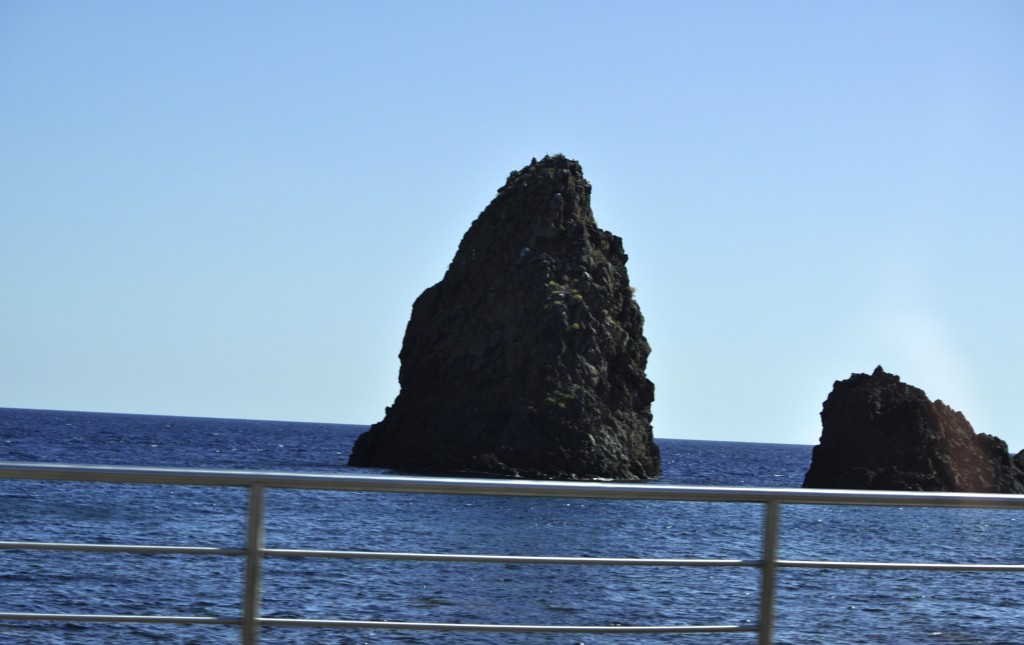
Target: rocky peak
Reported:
[(881, 433), (528, 358)]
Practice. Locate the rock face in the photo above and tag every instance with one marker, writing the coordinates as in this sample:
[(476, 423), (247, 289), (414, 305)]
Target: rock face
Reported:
[(528, 359), (879, 433)]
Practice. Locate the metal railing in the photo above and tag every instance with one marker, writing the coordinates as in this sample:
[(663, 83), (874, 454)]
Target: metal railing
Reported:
[(250, 621)]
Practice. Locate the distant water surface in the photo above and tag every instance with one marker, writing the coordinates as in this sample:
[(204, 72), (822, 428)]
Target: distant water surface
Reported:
[(813, 606)]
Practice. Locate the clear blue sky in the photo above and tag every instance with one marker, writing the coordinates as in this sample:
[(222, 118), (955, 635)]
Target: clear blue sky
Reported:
[(228, 208)]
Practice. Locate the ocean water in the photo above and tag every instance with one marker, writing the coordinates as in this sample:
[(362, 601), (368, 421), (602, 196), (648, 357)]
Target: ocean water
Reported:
[(832, 607)]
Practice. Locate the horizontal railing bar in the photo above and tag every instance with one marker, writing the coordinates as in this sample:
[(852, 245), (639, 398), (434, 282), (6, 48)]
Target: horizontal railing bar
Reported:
[(376, 555), (380, 624), (502, 487), (121, 618), (471, 627), (119, 548), (902, 566), (508, 559), (503, 559)]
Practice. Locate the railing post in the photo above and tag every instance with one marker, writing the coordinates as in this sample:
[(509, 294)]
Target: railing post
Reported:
[(766, 618), (253, 562)]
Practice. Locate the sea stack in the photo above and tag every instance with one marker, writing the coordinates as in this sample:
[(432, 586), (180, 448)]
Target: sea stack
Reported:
[(528, 358), (880, 433)]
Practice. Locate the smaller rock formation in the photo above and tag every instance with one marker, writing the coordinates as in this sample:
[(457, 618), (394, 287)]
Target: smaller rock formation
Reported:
[(528, 358), (881, 434)]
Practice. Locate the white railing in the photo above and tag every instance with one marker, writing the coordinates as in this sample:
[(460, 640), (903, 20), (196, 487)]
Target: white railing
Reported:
[(254, 550)]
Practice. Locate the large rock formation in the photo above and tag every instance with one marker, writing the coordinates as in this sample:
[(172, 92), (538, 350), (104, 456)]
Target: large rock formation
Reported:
[(879, 433), (528, 358)]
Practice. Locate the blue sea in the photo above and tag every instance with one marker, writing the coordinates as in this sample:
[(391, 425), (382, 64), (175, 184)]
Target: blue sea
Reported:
[(827, 607)]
